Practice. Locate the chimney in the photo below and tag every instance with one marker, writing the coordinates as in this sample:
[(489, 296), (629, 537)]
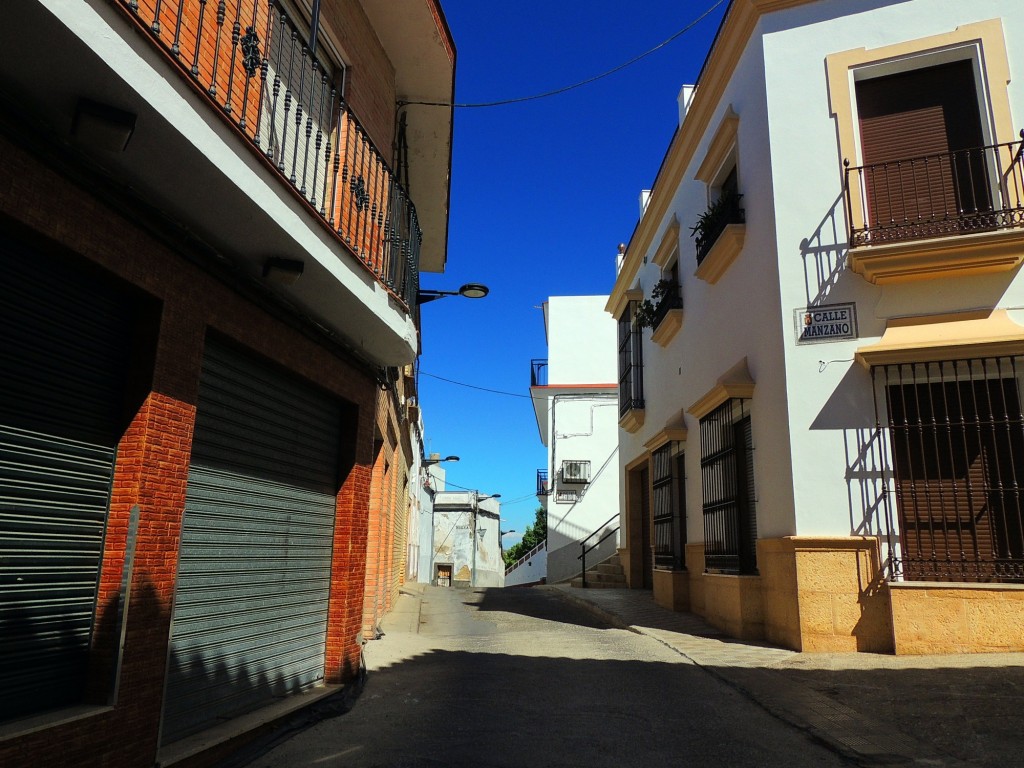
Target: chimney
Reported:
[(685, 98)]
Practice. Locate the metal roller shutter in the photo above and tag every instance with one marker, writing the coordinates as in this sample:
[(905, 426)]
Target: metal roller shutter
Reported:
[(250, 610), (67, 335)]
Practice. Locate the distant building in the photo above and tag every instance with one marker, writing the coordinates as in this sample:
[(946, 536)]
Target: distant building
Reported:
[(820, 341), (465, 550), (574, 400), (213, 218)]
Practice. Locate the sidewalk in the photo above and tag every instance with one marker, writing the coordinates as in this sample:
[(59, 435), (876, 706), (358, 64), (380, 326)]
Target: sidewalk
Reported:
[(877, 710)]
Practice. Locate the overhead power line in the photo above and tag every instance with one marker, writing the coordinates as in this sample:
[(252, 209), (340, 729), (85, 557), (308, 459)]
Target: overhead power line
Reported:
[(574, 86), (473, 386)]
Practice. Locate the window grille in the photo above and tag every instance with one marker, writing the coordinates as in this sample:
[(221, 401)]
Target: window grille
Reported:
[(727, 483), (669, 508), (631, 381), (956, 432), (574, 471)]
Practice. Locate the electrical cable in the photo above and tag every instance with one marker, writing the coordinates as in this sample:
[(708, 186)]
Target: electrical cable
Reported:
[(473, 386), (574, 86)]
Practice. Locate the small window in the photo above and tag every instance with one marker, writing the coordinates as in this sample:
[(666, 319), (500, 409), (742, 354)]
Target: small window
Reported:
[(669, 513)]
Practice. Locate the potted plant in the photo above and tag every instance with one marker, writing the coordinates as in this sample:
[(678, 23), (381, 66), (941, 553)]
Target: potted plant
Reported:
[(647, 311), (725, 210)]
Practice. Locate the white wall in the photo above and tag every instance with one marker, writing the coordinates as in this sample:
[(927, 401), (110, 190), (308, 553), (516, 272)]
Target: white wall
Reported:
[(530, 571), (834, 447), (581, 341)]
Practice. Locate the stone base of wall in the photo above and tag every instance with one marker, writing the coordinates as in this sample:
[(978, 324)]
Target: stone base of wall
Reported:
[(938, 617), (672, 589)]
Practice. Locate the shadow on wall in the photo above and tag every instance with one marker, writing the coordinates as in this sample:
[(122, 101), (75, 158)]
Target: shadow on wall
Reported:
[(824, 257), (849, 413), (211, 688)]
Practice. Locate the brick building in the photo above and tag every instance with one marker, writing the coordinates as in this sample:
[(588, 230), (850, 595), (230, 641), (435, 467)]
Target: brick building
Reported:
[(212, 222)]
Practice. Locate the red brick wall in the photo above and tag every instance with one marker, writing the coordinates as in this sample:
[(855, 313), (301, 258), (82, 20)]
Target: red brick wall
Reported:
[(153, 456)]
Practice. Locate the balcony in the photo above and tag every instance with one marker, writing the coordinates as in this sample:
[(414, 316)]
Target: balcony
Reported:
[(955, 213), (543, 488), (255, 65), (718, 237), (539, 372), (667, 317)]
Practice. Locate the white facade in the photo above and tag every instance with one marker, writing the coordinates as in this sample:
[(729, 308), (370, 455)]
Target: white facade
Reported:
[(577, 415), (780, 106), (465, 550)]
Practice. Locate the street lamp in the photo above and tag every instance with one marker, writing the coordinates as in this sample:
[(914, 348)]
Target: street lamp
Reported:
[(469, 291), (436, 459)]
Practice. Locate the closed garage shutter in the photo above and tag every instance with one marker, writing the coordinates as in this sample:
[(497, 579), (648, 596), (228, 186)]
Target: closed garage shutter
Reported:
[(250, 609), (65, 340)]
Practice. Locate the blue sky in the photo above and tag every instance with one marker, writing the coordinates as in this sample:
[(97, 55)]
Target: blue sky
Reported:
[(542, 194)]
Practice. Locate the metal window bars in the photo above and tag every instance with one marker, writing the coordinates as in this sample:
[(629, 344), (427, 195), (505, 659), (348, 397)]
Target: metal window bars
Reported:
[(631, 380), (727, 486), (668, 521), (956, 433)]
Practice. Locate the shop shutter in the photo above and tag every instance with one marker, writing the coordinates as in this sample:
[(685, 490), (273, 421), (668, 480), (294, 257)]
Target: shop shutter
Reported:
[(250, 609), (65, 341)]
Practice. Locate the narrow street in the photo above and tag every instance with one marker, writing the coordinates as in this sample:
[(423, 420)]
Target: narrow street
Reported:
[(520, 677)]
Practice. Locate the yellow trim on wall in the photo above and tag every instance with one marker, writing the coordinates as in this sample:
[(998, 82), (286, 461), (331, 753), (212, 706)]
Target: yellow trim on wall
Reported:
[(722, 143), (722, 60), (734, 383), (945, 337), (669, 243), (668, 327), (995, 70), (666, 435), (722, 254), (633, 294)]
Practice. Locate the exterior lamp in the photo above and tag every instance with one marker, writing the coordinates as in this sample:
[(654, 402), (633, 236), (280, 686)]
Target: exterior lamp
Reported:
[(469, 291), (435, 459)]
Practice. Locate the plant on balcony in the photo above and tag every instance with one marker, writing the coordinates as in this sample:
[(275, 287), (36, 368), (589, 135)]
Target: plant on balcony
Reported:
[(649, 311), (723, 211)]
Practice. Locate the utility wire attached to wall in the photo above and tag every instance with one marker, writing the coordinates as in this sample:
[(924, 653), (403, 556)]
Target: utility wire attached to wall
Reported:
[(574, 86)]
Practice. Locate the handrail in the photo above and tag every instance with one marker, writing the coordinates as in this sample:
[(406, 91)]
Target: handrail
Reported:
[(526, 557), (584, 549), (252, 61)]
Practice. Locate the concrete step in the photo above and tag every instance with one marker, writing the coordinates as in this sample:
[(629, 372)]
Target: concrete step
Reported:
[(608, 568), (591, 584)]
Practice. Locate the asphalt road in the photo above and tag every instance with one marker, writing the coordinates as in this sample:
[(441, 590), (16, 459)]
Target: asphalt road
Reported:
[(519, 677)]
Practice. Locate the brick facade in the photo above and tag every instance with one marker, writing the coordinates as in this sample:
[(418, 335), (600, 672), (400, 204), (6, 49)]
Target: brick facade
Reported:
[(153, 459)]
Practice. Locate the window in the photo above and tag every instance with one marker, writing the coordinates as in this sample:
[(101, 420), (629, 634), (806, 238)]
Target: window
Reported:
[(575, 471), (727, 481), (930, 152), (957, 438), (631, 382), (925, 166), (669, 507)]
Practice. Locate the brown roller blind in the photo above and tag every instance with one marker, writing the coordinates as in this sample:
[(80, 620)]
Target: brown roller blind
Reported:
[(930, 117)]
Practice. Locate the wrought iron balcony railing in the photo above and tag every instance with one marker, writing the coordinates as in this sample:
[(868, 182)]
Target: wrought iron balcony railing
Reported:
[(251, 60), (671, 298), (971, 190), (543, 489), (539, 372), (725, 211)]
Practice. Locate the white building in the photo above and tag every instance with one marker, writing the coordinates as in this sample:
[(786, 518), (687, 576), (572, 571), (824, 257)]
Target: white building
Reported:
[(833, 407), (465, 548), (574, 398)]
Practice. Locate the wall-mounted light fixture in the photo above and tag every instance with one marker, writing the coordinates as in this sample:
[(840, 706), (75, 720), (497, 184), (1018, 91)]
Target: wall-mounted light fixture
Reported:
[(435, 458), (102, 126), (469, 291), (283, 271)]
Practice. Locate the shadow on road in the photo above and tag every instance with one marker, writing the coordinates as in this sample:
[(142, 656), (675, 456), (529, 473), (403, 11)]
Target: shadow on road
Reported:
[(535, 603)]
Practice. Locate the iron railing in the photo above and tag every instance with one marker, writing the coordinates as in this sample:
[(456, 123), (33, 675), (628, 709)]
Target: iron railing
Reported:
[(253, 62), (970, 190), (585, 550), (543, 488), (956, 432), (525, 558), (727, 486), (671, 298), (668, 514), (631, 373), (539, 372), (723, 213)]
